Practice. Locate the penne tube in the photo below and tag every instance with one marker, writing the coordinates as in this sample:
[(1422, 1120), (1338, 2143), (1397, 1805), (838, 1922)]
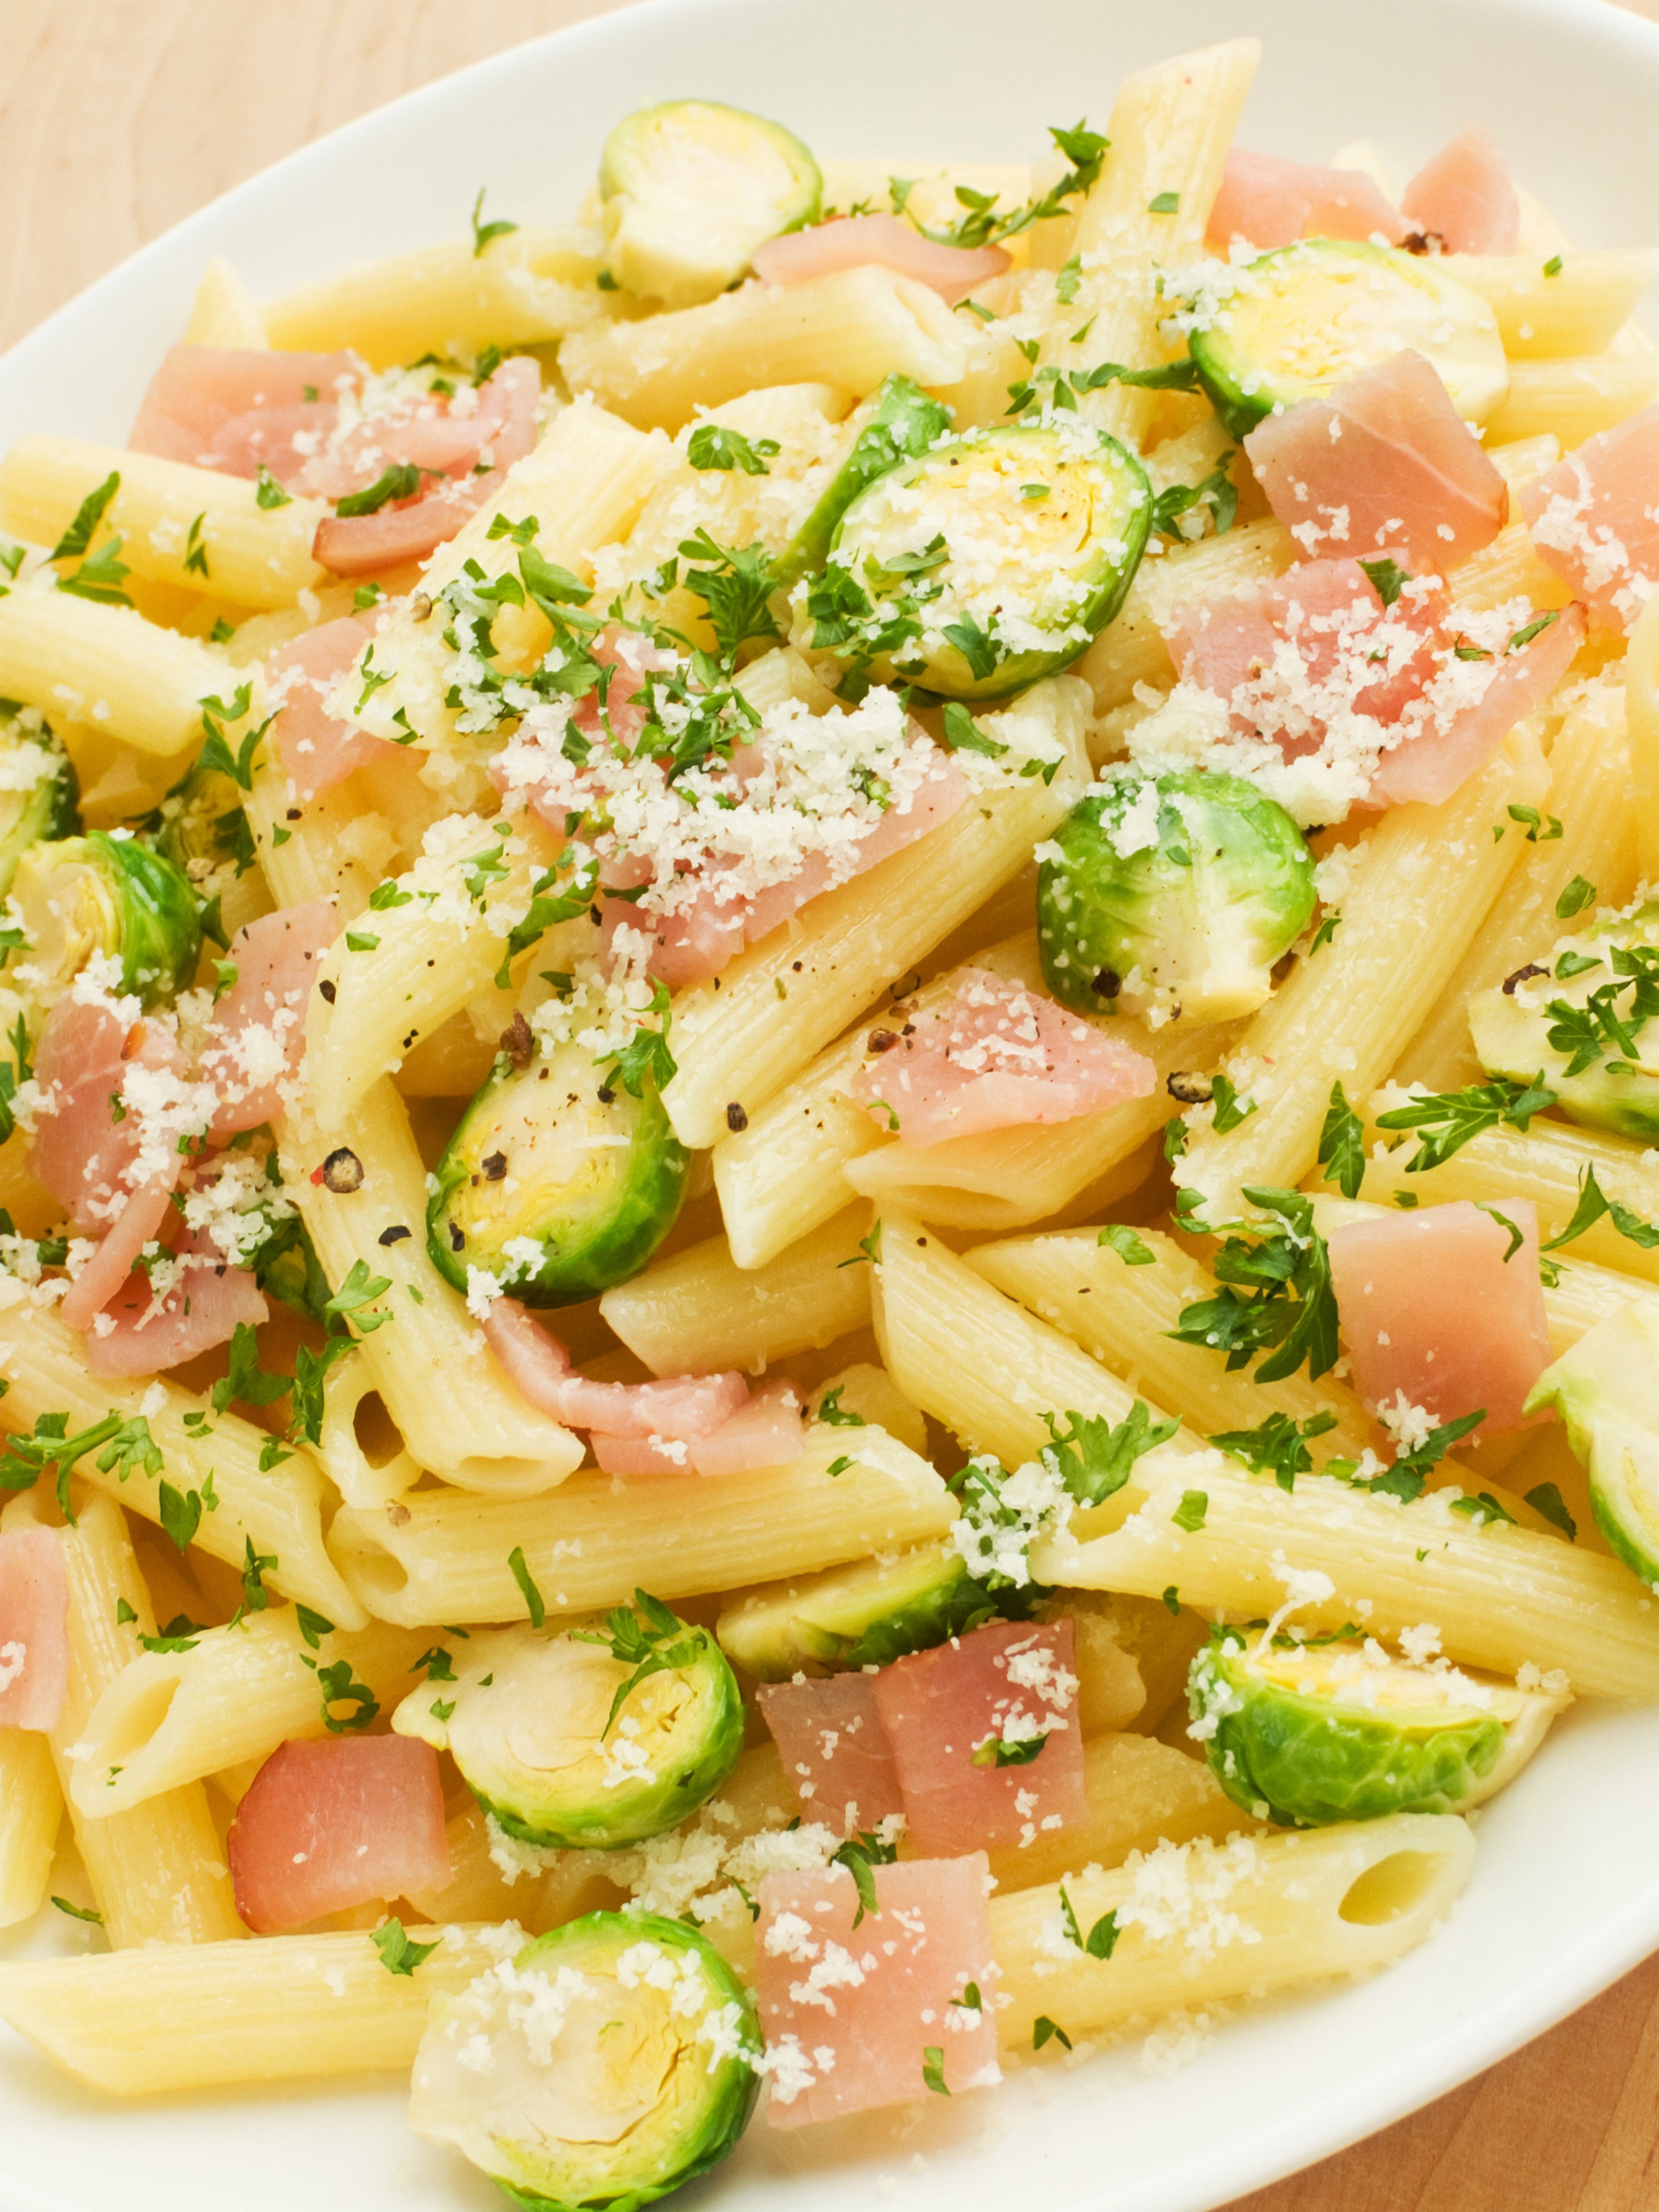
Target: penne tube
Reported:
[(1592, 798), (460, 1415), (437, 1556), (1545, 1164), (223, 313), (980, 1363), (157, 1871), (79, 660), (1204, 1923), (1580, 309), (1344, 1011), (31, 1810), (170, 1717), (274, 2010), (1642, 711), (1500, 1597), (1508, 568), (739, 1039), (849, 330), (1574, 398), (279, 1509), (699, 1312), (168, 515), (1122, 1315), (362, 1476), (533, 284), (1131, 650)]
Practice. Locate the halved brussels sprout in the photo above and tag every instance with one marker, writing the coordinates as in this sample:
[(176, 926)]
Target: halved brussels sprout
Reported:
[(537, 1723), (1550, 1021), (1177, 891), (203, 827), (80, 897), (690, 188), (987, 561), (1606, 1389), (607, 2065), (902, 422), (864, 1615), (1296, 323), (558, 1181), (1339, 1730), (38, 793)]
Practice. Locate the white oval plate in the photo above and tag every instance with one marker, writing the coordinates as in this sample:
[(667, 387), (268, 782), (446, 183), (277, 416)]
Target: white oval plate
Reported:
[(1566, 1892)]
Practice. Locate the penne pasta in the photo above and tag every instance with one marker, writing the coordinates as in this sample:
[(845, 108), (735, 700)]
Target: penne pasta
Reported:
[(78, 661), (31, 1813), (1578, 309), (1132, 650), (1574, 398), (223, 313), (1642, 713)]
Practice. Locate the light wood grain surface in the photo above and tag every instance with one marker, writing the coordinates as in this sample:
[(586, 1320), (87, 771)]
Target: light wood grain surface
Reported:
[(119, 116)]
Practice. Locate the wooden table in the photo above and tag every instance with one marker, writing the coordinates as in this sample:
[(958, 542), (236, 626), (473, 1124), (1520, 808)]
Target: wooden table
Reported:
[(119, 116)]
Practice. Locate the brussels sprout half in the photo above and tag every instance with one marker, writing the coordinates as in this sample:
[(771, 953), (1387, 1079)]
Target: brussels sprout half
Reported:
[(39, 794), (557, 1181), (1548, 1022), (80, 897), (1178, 891), (865, 1615), (1295, 324), (989, 561), (1340, 1731), (1606, 1389), (608, 2063), (902, 423), (690, 188), (529, 1721)]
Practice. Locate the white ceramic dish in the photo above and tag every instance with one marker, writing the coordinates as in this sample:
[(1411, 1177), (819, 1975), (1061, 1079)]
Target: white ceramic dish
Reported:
[(1566, 1892)]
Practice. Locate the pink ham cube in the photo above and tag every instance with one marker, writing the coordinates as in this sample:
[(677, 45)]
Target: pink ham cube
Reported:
[(325, 1826), (34, 1629), (835, 1750)]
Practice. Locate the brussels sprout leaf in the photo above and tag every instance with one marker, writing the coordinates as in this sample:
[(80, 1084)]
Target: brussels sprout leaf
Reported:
[(1093, 1459), (1342, 1144), (1278, 1445), (397, 1954)]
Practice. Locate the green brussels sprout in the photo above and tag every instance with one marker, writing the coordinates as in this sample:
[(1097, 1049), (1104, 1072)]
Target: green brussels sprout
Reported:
[(1215, 885), (989, 561), (535, 1188), (1606, 1389), (690, 188), (902, 423), (1580, 1018), (39, 794), (1335, 1730), (591, 1737), (864, 1615), (100, 894), (607, 2065), (1295, 324)]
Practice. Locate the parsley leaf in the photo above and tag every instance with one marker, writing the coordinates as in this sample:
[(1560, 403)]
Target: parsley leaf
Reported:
[(1093, 1459), (1278, 1445), (397, 1954), (401, 481), (268, 493), (1288, 1309), (1043, 2028), (484, 232), (361, 1289), (1129, 1247), (1593, 1203), (1547, 1502), (1342, 1144), (1410, 1469), (713, 447), (339, 1687), (645, 1637), (526, 1582), (932, 2069), (861, 1855), (963, 734), (1388, 578), (1445, 1121)]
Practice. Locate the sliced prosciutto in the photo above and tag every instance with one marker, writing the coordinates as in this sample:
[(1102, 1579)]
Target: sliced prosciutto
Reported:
[(1465, 196), (851, 2001), (1385, 465), (318, 750), (326, 1825), (855, 241), (34, 1629), (1270, 202), (150, 1324), (835, 1750), (765, 1430), (144, 1219), (1439, 761), (1594, 518), (1438, 1313), (985, 1736), (256, 1038), (96, 1074), (205, 403), (997, 1057)]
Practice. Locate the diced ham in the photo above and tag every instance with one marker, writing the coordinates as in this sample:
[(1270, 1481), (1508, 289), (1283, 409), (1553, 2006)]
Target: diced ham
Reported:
[(851, 2005), (500, 431), (80, 1151), (764, 1431), (1594, 518), (1438, 762), (256, 1039), (1465, 197), (945, 1711), (678, 1408), (835, 1750), (1269, 202), (318, 752), (34, 1629), (200, 392), (855, 241), (1434, 1315), (326, 1825), (197, 1313), (1384, 464), (997, 1057), (140, 1222)]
